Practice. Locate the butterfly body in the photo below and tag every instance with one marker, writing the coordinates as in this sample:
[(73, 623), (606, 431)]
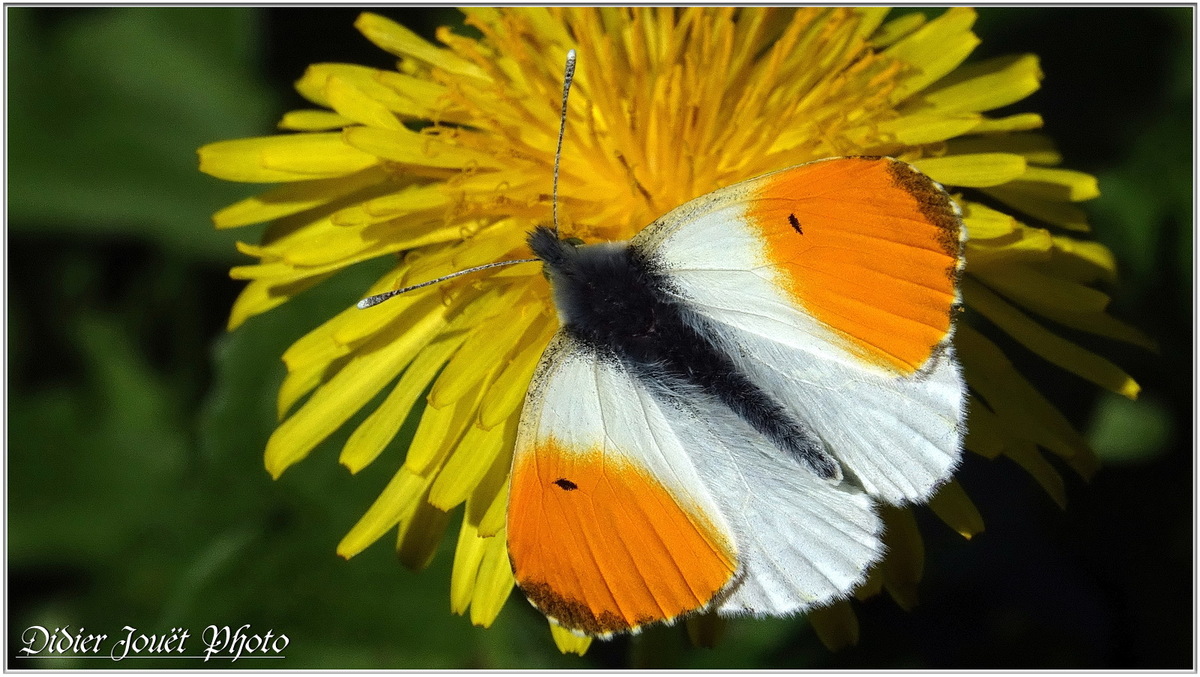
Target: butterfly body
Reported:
[(732, 394), (614, 302)]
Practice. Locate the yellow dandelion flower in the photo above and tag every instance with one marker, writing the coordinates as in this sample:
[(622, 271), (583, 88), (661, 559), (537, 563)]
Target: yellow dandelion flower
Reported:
[(445, 163)]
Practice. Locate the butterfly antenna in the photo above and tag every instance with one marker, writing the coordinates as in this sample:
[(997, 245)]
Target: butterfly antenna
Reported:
[(568, 76), (380, 298)]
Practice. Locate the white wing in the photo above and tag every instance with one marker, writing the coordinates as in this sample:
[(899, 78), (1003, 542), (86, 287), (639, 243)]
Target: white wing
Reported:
[(632, 504), (837, 301)]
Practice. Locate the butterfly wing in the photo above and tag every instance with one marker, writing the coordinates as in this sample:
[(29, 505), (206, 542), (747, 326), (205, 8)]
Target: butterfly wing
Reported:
[(608, 527), (803, 541), (833, 285), (632, 504)]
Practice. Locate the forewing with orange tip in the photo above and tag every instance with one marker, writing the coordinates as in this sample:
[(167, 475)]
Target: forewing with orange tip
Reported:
[(834, 285), (632, 504), (609, 526), (870, 247)]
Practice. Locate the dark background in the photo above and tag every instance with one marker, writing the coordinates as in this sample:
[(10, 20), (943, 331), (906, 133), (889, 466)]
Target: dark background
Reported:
[(136, 492)]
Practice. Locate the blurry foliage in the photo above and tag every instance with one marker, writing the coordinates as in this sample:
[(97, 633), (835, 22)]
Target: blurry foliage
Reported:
[(136, 493), (105, 102)]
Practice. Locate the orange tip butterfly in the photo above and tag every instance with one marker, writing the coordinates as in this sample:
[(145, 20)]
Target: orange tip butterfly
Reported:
[(733, 393)]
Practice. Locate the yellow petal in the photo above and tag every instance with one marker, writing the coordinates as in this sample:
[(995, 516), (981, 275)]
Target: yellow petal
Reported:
[(1022, 410), (319, 347), (508, 391), (311, 357), (412, 148), (302, 378), (401, 94), (1035, 148), (319, 244), (905, 560), (836, 625), (373, 365), (569, 642), (1031, 460), (311, 84), (1085, 463), (437, 434), (402, 42), (494, 581), (479, 452), (468, 555), (295, 197), (1053, 348), (1044, 289), (869, 22), (276, 271), (919, 128), (986, 85), (496, 513), (493, 584), (351, 102), (288, 157), (977, 170), (313, 121), (1044, 293), (955, 508), (1024, 244), (934, 49), (499, 241), (472, 247), (420, 97), (985, 433), (259, 296), (368, 323), (421, 535), (441, 429), (1103, 324), (491, 493), (1084, 255), (897, 28), (408, 200), (377, 430), (290, 232), (488, 347), (1019, 122), (401, 496), (872, 586), (1054, 212), (1056, 185), (296, 384), (306, 257), (985, 223), (705, 630)]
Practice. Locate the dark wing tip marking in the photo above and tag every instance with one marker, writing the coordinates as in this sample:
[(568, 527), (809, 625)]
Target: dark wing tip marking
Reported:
[(566, 484), (571, 613), (935, 204)]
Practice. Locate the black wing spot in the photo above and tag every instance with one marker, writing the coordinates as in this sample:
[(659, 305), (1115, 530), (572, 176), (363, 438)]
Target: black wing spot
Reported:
[(795, 223), (566, 484)]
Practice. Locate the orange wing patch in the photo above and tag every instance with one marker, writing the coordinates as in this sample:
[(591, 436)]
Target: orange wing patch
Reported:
[(601, 546), (871, 248)]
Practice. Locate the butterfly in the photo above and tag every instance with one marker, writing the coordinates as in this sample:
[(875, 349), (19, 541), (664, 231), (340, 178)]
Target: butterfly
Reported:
[(732, 394)]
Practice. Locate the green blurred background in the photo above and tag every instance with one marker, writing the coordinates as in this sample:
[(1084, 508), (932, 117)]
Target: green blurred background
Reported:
[(136, 492)]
